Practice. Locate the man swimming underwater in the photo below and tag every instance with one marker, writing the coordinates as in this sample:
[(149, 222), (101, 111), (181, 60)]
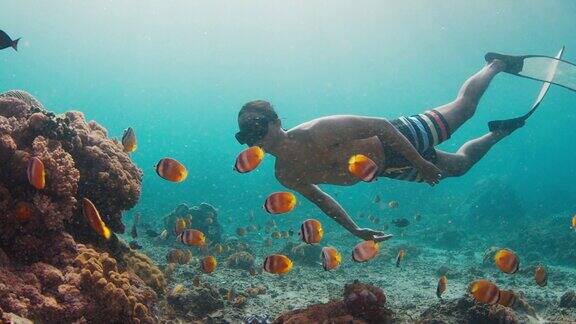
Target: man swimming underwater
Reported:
[(317, 152)]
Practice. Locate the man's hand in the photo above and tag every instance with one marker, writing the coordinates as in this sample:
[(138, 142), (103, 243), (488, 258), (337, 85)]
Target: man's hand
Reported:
[(369, 234), (429, 172)]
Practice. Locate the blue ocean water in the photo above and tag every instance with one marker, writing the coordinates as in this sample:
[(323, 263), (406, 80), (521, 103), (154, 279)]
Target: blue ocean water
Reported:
[(179, 71)]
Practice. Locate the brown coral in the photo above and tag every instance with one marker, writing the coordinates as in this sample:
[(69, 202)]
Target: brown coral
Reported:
[(241, 260), (44, 274), (362, 303), (145, 268), (119, 296)]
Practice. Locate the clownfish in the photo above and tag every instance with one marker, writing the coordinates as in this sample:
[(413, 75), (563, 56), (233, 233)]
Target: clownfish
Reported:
[(574, 222), (484, 291), (331, 258), (129, 140), (94, 219), (507, 261), (362, 167), (171, 170), (192, 237), (365, 251), (541, 276), (441, 288), (280, 202), (278, 264), (209, 264), (311, 231), (36, 173), (249, 159)]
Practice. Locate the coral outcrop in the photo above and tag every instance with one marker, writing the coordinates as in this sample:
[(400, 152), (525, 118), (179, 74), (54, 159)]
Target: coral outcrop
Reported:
[(362, 303), (466, 310), (116, 296), (45, 274), (241, 260), (196, 303), (203, 217), (145, 268)]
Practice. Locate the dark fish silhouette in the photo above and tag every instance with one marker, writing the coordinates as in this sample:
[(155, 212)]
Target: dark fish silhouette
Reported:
[(134, 232), (401, 222), (6, 41)]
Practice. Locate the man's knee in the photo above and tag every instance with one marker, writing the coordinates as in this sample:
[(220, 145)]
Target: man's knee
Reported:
[(467, 105), (459, 168)]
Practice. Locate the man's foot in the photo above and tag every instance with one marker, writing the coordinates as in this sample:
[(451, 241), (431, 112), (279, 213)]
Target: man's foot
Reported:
[(513, 64), (506, 126), (372, 235)]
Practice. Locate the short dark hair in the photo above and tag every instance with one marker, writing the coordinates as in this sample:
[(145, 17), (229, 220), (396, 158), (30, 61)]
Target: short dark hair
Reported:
[(253, 120)]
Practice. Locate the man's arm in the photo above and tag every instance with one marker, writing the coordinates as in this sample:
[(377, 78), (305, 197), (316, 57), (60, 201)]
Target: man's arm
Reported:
[(331, 208), (345, 128)]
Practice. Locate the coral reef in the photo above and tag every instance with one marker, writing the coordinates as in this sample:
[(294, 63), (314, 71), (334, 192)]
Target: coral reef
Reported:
[(45, 275), (179, 256), (362, 303), (145, 268), (196, 303), (203, 217), (466, 310), (241, 260), (116, 296)]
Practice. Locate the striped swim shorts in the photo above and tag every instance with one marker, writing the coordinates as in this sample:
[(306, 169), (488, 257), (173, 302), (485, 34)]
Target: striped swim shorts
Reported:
[(424, 131)]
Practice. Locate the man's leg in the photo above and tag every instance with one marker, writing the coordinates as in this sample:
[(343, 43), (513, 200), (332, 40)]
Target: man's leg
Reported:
[(464, 106), (457, 164)]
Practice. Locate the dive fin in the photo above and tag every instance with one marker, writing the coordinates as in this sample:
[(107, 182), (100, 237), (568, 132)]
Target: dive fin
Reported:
[(15, 44), (507, 125), (514, 64)]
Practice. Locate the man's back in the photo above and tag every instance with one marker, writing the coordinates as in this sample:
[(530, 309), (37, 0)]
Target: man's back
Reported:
[(316, 154)]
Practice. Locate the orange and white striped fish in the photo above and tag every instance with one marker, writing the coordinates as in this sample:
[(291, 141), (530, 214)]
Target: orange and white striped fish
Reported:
[(331, 258), (280, 202), (507, 261), (192, 237), (208, 264), (362, 167), (249, 159), (574, 222), (171, 170), (311, 231), (441, 288), (507, 298), (180, 225), (129, 140), (541, 276), (278, 264), (94, 219), (365, 251), (484, 291), (36, 173), (400, 257)]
